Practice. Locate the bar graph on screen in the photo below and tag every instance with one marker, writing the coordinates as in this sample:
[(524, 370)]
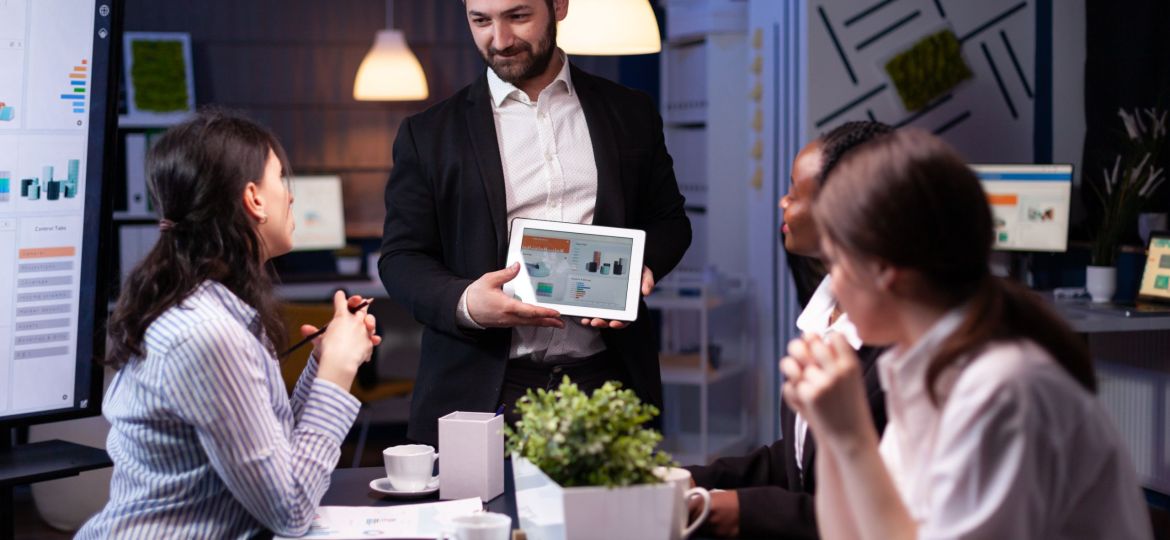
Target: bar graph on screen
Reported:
[(75, 95), (46, 187)]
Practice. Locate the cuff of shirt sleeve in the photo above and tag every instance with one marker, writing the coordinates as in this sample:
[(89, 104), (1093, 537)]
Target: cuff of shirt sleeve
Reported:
[(463, 316), (311, 366), (330, 410)]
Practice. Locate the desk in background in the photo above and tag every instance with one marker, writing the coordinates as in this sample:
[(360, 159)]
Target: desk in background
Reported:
[(1132, 359)]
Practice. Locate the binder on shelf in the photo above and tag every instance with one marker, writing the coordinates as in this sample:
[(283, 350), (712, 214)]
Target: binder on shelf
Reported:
[(137, 201), (135, 241)]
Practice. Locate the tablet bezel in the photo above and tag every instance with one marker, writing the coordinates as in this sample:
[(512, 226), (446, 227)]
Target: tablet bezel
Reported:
[(522, 288)]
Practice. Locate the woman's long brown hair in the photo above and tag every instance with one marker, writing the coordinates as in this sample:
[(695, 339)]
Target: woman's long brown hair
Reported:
[(197, 172), (908, 199)]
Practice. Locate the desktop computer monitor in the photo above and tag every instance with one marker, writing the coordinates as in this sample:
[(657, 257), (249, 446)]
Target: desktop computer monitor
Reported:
[(318, 209), (58, 93), (1029, 205)]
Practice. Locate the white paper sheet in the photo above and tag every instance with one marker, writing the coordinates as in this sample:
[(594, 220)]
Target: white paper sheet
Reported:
[(407, 521)]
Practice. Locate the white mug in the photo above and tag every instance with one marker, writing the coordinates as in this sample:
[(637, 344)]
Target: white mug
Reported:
[(681, 480), (480, 526), (409, 466)]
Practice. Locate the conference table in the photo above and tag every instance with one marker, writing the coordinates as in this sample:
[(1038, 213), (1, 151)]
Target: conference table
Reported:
[(350, 487)]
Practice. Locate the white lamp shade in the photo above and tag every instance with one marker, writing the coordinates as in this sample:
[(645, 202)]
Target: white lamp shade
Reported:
[(390, 72), (609, 28)]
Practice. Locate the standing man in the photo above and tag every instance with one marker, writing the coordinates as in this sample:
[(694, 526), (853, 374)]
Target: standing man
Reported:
[(533, 137)]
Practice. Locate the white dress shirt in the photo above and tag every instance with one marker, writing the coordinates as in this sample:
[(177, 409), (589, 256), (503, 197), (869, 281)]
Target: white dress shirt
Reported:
[(815, 320), (1016, 447), (549, 174)]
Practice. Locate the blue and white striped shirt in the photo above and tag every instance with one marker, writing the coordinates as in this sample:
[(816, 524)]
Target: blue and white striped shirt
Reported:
[(205, 440)]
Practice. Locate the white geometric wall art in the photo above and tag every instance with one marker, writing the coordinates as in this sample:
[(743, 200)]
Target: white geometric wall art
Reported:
[(989, 118)]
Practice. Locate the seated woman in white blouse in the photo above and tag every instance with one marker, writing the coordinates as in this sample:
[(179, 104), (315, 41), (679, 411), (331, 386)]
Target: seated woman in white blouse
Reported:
[(205, 440), (994, 430)]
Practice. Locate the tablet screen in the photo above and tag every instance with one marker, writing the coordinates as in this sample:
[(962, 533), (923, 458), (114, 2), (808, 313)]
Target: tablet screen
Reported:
[(576, 269)]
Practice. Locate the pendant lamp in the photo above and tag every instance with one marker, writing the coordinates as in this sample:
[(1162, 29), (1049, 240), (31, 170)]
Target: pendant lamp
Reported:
[(390, 71), (609, 28)]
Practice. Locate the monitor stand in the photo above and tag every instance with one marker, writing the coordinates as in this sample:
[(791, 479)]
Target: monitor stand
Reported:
[(1014, 265), (35, 462)]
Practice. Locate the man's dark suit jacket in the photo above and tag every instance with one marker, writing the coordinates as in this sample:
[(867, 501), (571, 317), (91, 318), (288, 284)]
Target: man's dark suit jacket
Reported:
[(446, 226), (774, 500)]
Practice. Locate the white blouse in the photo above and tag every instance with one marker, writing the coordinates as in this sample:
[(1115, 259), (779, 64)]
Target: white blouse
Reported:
[(814, 319), (1015, 449)]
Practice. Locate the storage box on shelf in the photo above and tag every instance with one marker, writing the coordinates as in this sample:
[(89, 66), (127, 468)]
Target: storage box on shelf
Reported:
[(704, 355)]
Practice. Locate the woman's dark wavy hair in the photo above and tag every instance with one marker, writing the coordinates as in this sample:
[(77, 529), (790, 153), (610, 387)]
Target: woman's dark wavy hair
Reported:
[(808, 272), (197, 172), (909, 199)]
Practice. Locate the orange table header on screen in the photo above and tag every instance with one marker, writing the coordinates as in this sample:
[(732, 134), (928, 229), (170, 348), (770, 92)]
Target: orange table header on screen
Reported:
[(1003, 200), (42, 253), (545, 244)]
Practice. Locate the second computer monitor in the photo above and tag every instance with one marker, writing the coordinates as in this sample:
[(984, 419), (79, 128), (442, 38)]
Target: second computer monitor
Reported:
[(319, 213), (1029, 205)]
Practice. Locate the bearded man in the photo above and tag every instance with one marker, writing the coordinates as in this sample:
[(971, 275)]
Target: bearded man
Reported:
[(533, 137)]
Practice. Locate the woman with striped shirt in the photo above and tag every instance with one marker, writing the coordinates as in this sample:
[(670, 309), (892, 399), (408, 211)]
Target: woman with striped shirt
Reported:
[(206, 443)]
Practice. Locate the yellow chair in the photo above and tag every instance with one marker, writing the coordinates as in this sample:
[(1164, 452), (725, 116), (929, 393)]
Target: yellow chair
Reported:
[(369, 393)]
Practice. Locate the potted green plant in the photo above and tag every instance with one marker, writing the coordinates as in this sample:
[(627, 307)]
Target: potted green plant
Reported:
[(1126, 189), (584, 466)]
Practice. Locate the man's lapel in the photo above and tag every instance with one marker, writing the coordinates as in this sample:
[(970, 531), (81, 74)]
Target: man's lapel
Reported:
[(610, 208), (481, 126)]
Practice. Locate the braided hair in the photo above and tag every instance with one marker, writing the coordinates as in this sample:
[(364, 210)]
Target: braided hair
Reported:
[(845, 137)]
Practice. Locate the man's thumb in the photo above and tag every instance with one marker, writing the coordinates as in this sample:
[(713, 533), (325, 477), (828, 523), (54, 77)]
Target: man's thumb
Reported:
[(500, 277)]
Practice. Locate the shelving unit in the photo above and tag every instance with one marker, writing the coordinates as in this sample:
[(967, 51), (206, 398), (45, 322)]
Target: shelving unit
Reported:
[(705, 350), (704, 67), (707, 357), (135, 223)]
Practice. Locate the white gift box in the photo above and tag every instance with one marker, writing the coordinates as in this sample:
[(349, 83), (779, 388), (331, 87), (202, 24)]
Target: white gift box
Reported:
[(472, 445)]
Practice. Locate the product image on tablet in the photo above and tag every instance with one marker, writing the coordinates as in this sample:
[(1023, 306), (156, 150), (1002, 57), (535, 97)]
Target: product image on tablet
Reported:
[(578, 270)]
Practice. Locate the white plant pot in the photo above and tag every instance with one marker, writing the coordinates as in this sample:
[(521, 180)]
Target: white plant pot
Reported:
[(1101, 282), (548, 511)]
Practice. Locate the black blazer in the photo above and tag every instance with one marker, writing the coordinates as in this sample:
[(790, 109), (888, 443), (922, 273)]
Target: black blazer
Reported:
[(774, 500), (446, 226)]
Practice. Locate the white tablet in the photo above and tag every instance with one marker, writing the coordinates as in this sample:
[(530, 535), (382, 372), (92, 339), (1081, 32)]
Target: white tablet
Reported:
[(578, 270)]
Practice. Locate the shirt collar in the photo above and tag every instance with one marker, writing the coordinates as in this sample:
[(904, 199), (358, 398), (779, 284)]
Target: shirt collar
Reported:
[(904, 371), (501, 90), (815, 317), (236, 307)]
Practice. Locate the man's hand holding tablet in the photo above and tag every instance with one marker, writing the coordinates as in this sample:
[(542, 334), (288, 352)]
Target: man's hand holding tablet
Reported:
[(647, 287), (490, 307), (587, 271)]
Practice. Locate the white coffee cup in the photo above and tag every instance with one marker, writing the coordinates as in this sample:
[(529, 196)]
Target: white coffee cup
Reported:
[(480, 526), (409, 466), (681, 480)]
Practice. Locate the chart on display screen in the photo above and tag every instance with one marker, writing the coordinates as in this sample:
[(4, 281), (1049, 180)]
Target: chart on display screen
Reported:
[(54, 55), (578, 269)]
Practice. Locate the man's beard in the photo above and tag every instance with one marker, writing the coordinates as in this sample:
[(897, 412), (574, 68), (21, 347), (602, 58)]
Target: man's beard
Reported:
[(520, 67)]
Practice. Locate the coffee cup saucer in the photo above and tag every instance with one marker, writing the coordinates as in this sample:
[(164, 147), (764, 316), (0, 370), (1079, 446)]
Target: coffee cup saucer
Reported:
[(382, 485)]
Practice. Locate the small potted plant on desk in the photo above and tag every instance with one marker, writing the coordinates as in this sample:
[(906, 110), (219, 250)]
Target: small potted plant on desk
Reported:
[(1125, 191), (584, 466)]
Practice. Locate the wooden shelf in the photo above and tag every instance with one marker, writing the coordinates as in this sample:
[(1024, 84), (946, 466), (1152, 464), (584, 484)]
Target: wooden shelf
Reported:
[(148, 122), (672, 374)]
